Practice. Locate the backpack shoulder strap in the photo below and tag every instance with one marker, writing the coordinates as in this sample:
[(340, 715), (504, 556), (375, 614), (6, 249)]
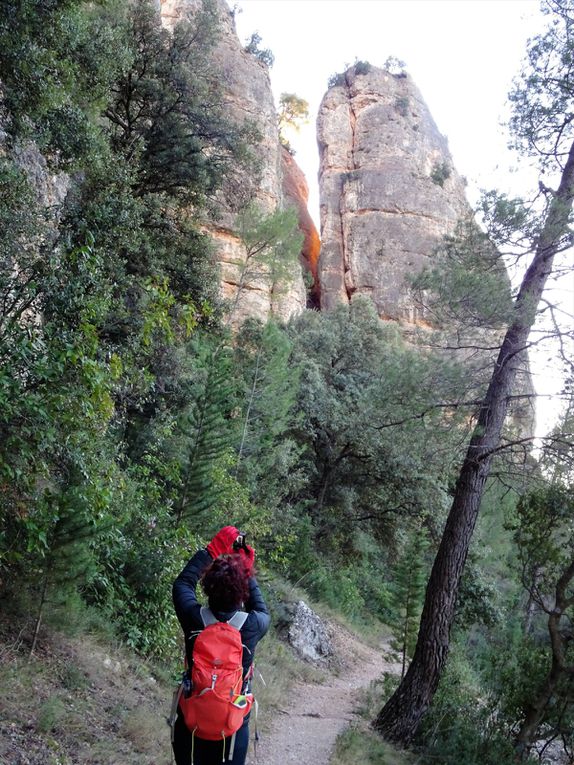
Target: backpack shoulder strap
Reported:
[(238, 619), (207, 616)]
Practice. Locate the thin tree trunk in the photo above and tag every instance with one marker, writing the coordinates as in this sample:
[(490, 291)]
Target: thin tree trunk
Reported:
[(530, 609), (43, 598), (401, 716), (248, 412), (406, 633), (558, 669), (535, 712)]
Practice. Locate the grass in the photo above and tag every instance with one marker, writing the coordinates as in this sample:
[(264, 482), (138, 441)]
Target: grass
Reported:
[(278, 591), (359, 744), (68, 705)]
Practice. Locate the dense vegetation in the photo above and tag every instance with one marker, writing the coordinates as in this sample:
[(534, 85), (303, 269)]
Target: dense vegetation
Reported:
[(133, 423)]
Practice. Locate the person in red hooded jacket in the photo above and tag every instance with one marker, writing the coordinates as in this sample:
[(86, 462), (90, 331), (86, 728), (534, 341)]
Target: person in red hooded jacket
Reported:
[(226, 574)]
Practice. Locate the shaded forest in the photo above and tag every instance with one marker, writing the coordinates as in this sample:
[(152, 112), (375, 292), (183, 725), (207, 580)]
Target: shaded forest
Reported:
[(135, 422)]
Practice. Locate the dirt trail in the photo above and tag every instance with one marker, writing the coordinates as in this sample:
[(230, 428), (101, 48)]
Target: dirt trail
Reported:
[(304, 731)]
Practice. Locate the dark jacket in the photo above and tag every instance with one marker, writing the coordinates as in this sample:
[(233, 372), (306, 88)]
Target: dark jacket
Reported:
[(188, 609)]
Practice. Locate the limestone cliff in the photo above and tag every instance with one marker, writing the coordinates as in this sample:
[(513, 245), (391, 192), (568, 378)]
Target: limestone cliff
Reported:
[(249, 99), (388, 194), (388, 189)]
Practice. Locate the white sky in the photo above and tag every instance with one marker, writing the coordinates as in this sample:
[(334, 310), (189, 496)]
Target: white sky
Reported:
[(462, 55)]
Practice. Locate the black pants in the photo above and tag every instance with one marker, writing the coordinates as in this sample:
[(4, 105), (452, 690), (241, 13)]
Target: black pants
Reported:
[(208, 752)]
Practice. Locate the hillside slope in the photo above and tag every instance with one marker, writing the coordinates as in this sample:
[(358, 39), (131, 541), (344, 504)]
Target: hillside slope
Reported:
[(82, 701)]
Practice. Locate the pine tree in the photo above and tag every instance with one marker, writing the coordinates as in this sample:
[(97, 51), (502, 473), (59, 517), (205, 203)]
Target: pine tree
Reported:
[(206, 430), (265, 450), (408, 595), (67, 562), (542, 126)]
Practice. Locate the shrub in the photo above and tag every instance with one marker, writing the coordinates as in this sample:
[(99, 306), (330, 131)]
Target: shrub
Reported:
[(440, 173)]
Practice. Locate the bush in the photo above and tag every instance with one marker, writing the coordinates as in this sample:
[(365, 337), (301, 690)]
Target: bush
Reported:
[(440, 173), (463, 724)]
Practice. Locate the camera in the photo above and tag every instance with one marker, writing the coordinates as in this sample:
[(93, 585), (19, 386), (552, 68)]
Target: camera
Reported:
[(239, 543)]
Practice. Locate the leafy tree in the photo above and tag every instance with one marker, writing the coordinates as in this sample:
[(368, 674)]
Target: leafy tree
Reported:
[(272, 247), (546, 552), (293, 112), (549, 68), (101, 299), (366, 399), (264, 55), (57, 62), (266, 452), (167, 112), (206, 432)]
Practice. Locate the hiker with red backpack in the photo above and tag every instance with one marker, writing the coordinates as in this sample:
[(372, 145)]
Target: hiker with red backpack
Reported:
[(215, 698)]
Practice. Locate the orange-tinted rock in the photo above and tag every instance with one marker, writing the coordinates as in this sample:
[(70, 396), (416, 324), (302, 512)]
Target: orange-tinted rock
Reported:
[(296, 193), (248, 99)]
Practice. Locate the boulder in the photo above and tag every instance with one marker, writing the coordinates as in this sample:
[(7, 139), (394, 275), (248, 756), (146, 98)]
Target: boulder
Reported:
[(308, 634)]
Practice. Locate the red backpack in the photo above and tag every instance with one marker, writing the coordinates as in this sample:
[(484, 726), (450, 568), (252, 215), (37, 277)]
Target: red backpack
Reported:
[(216, 707)]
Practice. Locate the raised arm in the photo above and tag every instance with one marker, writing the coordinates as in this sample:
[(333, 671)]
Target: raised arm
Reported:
[(256, 604), (185, 601)]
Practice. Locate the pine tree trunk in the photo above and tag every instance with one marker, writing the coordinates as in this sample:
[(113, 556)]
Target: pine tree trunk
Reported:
[(400, 718)]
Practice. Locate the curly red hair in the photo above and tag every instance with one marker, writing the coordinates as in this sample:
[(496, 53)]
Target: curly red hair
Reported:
[(225, 583)]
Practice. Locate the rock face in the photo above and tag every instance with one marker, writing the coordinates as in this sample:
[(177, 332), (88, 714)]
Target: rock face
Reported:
[(308, 635), (388, 189), (249, 99), (388, 194), (296, 194)]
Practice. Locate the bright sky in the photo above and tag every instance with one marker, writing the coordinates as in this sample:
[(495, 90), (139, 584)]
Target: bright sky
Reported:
[(462, 55)]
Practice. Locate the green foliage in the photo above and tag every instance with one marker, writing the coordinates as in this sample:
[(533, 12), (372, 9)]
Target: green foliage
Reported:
[(336, 80), (467, 286), (158, 113), (114, 418), (410, 577), (364, 397), (462, 725), (293, 112), (272, 248), (57, 63), (504, 218), (340, 78), (266, 454), (515, 666), (544, 535), (541, 97), (402, 105), (361, 67), (395, 66), (477, 601), (205, 431), (440, 173), (264, 55), (359, 745)]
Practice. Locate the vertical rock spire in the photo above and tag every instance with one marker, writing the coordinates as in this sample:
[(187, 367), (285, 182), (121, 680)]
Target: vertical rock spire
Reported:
[(388, 189)]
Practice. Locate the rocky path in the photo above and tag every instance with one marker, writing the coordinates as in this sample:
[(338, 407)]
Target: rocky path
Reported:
[(304, 732)]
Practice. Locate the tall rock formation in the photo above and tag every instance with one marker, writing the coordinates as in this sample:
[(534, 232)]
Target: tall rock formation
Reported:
[(388, 194), (249, 99), (388, 189)]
